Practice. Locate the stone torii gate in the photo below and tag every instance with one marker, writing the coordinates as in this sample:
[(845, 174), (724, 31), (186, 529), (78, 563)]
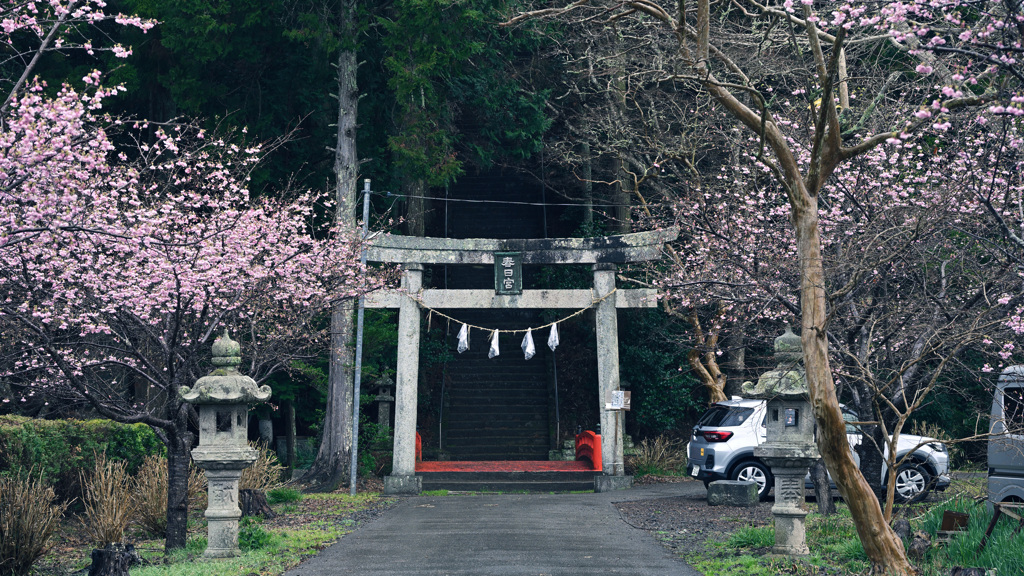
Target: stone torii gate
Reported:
[(603, 253)]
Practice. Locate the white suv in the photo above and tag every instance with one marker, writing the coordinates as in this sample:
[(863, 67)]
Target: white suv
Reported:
[(722, 448)]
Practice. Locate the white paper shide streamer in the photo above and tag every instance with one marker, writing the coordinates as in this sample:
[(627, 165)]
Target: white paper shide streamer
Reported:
[(463, 339), (528, 349), (553, 337), (494, 345)]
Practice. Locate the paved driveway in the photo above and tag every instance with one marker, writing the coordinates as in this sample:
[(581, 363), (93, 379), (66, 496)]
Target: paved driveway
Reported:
[(508, 534)]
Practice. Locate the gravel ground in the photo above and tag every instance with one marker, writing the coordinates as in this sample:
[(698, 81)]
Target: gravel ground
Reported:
[(686, 524)]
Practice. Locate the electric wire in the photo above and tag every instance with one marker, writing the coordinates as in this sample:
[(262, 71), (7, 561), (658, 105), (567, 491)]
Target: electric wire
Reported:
[(511, 202)]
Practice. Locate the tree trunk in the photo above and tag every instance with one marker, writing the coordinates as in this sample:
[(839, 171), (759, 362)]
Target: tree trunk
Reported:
[(331, 467), (880, 543), (822, 489), (254, 503), (178, 460), (735, 364), (289, 430), (872, 464), (332, 459), (622, 197), (707, 371), (587, 175), (709, 376), (415, 207), (114, 560)]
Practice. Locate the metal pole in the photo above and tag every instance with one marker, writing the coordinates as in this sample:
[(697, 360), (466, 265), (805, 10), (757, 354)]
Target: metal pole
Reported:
[(359, 347)]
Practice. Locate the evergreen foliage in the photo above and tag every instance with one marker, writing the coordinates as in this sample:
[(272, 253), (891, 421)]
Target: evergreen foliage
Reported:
[(56, 450)]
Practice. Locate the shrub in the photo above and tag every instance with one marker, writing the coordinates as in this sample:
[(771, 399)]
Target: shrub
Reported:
[(28, 517), (58, 449), (151, 495), (251, 535), (658, 456), (108, 498), (265, 472), (196, 486), (283, 495)]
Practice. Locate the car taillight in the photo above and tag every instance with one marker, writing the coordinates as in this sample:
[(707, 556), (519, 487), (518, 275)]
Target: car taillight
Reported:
[(716, 436)]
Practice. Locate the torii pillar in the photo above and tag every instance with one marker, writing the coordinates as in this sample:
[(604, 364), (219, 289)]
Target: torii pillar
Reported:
[(603, 253), (403, 479), (607, 330)]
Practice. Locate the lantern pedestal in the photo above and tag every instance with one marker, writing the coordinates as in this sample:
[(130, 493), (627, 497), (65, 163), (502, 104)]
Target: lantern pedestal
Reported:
[(222, 511), (789, 510)]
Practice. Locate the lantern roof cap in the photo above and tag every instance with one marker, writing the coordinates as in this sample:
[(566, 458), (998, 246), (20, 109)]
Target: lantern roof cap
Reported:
[(225, 385), (788, 380)]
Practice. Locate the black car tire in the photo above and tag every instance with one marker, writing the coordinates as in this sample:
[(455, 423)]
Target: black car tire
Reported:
[(913, 482), (756, 472)]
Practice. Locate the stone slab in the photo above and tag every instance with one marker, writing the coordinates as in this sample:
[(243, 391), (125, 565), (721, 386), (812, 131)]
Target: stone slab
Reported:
[(635, 247), (611, 483), (732, 493), (546, 299), (408, 485)]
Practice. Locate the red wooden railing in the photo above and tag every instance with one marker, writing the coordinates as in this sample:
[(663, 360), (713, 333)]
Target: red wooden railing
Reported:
[(588, 447), (419, 448)]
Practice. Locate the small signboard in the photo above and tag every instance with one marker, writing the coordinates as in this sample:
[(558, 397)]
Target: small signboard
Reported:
[(508, 273), (620, 400)]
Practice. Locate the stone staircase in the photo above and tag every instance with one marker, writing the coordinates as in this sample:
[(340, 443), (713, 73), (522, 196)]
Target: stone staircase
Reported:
[(507, 476), (497, 408), (509, 481)]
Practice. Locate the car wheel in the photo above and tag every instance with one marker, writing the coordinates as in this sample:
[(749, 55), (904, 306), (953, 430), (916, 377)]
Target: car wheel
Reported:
[(757, 473), (912, 483)]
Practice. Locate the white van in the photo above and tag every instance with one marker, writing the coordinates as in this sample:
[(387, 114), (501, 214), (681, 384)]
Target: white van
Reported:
[(1006, 444)]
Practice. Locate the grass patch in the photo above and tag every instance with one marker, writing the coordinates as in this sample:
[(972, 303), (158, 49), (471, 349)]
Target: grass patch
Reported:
[(740, 565), (434, 493), (752, 537), (279, 552), (1004, 551), (283, 495), (833, 542), (836, 549), (271, 552), (303, 528)]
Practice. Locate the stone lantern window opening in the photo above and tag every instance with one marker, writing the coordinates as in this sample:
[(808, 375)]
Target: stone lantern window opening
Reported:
[(223, 421)]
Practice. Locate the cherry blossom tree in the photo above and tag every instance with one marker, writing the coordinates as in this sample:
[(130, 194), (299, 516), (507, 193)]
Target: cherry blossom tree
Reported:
[(120, 263), (921, 64)]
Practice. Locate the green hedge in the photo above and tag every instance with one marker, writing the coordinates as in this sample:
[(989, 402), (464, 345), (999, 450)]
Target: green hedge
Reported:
[(58, 449)]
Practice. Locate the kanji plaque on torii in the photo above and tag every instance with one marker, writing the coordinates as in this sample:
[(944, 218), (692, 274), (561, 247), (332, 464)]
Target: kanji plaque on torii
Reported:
[(508, 273), (604, 254)]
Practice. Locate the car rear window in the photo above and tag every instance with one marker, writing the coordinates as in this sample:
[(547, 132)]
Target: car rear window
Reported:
[(725, 416)]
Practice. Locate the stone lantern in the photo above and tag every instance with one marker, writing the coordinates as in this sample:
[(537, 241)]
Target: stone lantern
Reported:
[(789, 448), (223, 399), (384, 400)]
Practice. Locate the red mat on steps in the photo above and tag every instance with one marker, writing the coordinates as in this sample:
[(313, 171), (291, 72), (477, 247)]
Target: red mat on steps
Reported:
[(505, 466)]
